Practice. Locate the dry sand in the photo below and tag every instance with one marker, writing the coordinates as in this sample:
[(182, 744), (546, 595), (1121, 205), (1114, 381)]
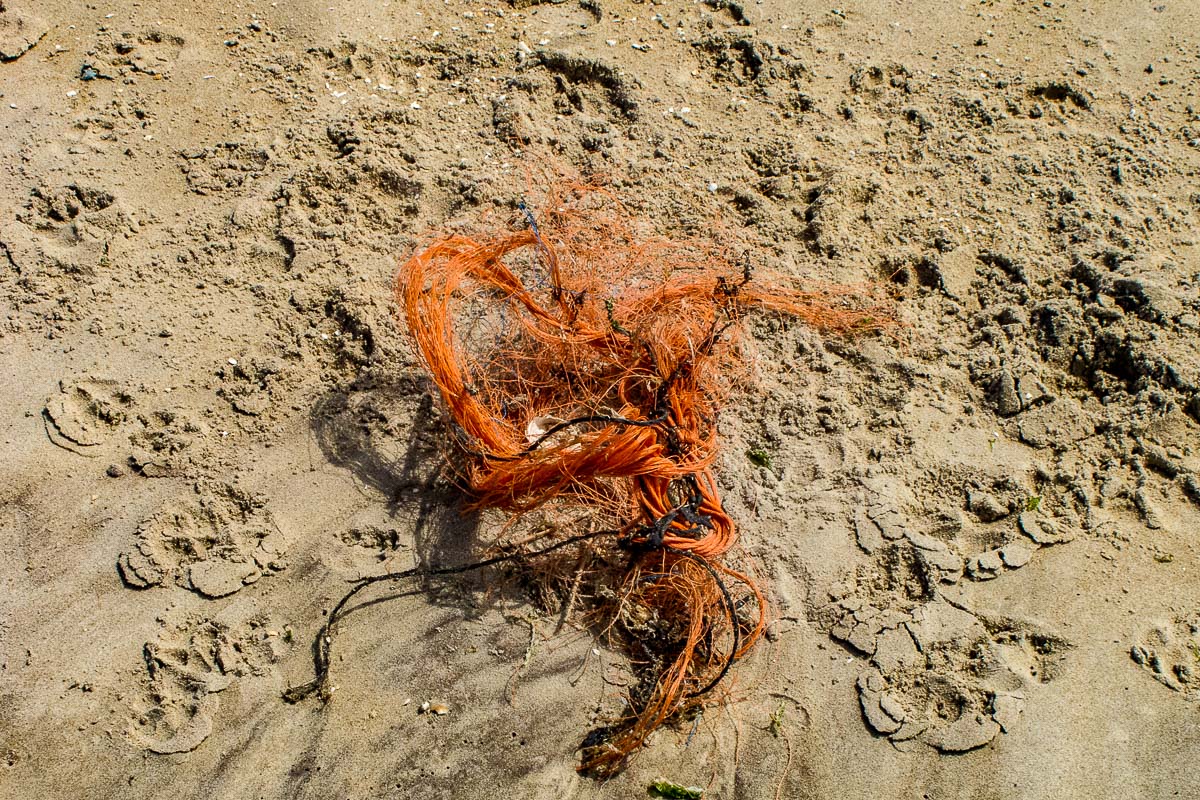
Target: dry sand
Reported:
[(980, 536)]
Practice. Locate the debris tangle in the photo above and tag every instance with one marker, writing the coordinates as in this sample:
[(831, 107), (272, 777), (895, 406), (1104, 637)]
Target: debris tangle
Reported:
[(584, 365)]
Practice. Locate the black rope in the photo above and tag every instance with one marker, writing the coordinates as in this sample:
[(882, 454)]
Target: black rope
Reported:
[(324, 641), (731, 613), (606, 418), (323, 644)]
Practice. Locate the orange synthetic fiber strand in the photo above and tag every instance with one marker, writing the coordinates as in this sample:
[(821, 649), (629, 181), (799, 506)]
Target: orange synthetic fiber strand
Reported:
[(584, 364)]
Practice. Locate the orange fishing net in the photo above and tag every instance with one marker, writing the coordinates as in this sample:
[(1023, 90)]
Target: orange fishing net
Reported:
[(584, 365)]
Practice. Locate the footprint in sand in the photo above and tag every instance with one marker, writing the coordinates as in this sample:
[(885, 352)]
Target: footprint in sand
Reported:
[(1171, 654), (948, 677), (68, 231), (83, 414), (939, 673), (213, 543), (185, 673)]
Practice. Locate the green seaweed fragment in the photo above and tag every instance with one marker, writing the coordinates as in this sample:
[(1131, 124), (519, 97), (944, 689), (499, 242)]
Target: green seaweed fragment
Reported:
[(776, 727), (759, 457), (675, 791)]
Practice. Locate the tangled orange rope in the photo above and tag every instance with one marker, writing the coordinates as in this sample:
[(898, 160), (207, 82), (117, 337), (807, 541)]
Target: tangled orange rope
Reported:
[(585, 365)]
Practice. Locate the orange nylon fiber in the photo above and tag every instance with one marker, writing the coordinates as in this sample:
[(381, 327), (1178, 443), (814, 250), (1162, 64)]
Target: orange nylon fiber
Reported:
[(585, 365)]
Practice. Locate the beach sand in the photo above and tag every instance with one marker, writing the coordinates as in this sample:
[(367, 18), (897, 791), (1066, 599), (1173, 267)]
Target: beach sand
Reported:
[(978, 533)]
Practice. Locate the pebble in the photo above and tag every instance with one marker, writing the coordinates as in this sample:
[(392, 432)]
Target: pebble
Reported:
[(1008, 402)]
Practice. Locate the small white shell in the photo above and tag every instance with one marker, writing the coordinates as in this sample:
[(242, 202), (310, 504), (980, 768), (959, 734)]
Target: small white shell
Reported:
[(540, 426)]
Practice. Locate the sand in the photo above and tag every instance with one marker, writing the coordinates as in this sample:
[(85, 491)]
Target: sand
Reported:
[(978, 534)]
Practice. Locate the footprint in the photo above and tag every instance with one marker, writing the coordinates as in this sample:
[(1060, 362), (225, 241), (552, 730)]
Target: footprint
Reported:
[(185, 673), (1171, 654), (248, 385), (177, 727), (83, 414), (948, 677), (214, 544), (742, 59), (49, 208), (938, 673), (68, 232), (578, 75), (77, 214), (881, 526), (991, 563), (1013, 539), (837, 207)]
